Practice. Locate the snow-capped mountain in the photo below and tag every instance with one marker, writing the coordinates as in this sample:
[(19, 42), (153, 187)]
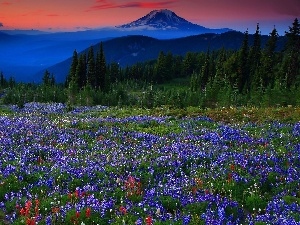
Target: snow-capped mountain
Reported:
[(167, 20)]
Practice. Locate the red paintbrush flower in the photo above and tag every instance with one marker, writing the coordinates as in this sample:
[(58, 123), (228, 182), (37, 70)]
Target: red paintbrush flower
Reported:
[(88, 212), (123, 210), (149, 220)]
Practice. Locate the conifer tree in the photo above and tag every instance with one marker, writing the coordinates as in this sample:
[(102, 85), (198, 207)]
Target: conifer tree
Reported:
[(101, 69), (72, 92), (177, 66), (107, 80), (254, 60), (73, 67), (243, 70), (2, 80), (291, 62), (221, 59), (169, 66), (114, 71), (188, 66), (11, 82), (268, 61), (91, 69), (160, 68), (206, 70), (52, 80), (195, 84), (80, 75), (46, 78)]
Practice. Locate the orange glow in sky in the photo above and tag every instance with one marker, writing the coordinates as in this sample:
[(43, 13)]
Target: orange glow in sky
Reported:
[(66, 15)]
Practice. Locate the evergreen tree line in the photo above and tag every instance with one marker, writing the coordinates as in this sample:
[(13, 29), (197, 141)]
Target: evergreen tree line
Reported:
[(252, 75), (88, 70)]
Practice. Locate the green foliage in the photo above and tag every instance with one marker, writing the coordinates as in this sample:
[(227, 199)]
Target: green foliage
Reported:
[(4, 110), (260, 223), (48, 80), (230, 210), (196, 208), (169, 203), (3, 81), (255, 203), (11, 184), (291, 199), (23, 93), (253, 75)]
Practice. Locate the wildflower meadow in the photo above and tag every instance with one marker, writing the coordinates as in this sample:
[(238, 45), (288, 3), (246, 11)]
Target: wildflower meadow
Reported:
[(102, 165)]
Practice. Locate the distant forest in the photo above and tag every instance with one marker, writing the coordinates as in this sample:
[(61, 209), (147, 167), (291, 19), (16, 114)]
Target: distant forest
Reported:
[(251, 75)]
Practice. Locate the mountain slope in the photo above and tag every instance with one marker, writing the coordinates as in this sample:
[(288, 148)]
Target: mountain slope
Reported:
[(132, 49), (167, 20), (25, 52)]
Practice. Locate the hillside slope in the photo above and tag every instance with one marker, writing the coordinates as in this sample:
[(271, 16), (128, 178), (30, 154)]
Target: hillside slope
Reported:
[(132, 49)]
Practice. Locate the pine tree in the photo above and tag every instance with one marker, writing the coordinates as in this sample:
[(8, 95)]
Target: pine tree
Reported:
[(177, 66), (169, 66), (161, 70), (114, 71), (108, 81), (230, 69), (243, 69), (195, 83), (91, 69), (46, 78), (72, 92), (291, 61), (2, 80), (87, 95), (254, 60), (11, 82), (101, 69), (206, 70), (73, 67), (80, 75), (268, 61), (188, 66), (52, 80), (221, 59)]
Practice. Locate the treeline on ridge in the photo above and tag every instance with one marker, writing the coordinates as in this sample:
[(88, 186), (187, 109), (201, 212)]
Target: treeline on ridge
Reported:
[(251, 75)]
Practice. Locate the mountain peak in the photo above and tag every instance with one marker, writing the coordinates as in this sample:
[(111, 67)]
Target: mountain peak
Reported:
[(163, 11), (160, 19)]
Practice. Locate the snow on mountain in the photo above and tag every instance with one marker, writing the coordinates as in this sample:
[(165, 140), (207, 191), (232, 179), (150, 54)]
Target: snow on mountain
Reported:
[(163, 20)]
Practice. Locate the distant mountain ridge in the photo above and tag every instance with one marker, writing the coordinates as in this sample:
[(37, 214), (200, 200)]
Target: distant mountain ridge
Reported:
[(25, 52), (129, 50), (168, 20)]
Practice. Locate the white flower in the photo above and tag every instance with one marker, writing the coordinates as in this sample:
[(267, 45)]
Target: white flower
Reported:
[(158, 211)]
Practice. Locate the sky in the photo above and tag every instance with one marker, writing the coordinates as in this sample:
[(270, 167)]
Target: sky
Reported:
[(72, 15)]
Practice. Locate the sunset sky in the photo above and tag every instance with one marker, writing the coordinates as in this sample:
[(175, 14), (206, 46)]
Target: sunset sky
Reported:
[(72, 15)]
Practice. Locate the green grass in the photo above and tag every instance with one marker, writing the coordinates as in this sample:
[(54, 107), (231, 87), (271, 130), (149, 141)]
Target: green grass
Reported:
[(178, 83), (4, 110), (226, 115)]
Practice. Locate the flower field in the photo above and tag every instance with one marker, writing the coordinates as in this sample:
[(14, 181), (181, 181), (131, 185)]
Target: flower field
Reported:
[(101, 166)]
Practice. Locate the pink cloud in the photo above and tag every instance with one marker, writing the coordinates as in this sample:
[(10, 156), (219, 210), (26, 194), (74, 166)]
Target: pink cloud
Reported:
[(6, 3), (52, 15), (103, 4)]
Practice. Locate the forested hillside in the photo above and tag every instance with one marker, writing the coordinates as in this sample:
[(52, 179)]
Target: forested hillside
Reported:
[(254, 74), (132, 49)]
